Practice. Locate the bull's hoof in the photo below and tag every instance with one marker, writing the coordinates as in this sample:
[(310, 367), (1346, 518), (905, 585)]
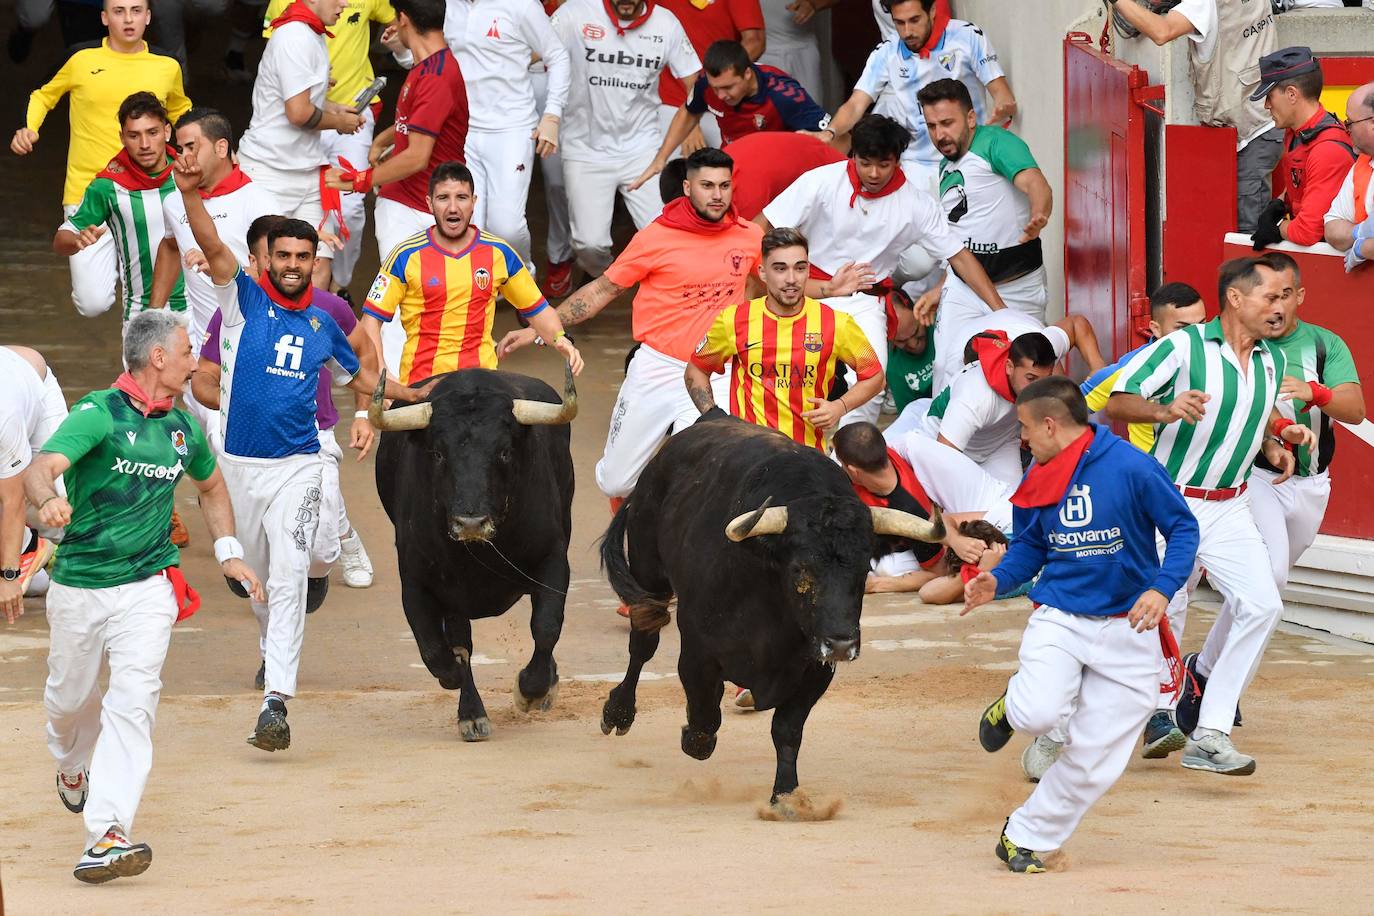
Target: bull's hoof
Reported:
[(478, 729), (698, 745), (536, 704), (616, 717)]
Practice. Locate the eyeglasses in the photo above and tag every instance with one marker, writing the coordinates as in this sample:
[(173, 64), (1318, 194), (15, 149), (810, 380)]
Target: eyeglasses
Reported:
[(1349, 123)]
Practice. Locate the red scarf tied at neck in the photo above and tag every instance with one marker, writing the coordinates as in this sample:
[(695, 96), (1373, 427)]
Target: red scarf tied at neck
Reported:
[(299, 12), (893, 185), (228, 185), (279, 298), (1045, 484), (993, 350), (680, 214), (130, 386), (129, 175), (939, 22), (621, 29)]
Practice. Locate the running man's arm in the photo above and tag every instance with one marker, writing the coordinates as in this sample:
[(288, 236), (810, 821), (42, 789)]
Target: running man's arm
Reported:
[(85, 227), (715, 350), (1034, 185), (1146, 375), (577, 308), (1003, 102), (1159, 29), (360, 432), (166, 269), (219, 513), (698, 387), (846, 116), (684, 122), (968, 269), (205, 383), (11, 543), (304, 113), (224, 266), (1083, 338), (42, 100)]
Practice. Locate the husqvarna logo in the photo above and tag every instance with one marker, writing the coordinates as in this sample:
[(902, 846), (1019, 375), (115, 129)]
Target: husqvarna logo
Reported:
[(1077, 508)]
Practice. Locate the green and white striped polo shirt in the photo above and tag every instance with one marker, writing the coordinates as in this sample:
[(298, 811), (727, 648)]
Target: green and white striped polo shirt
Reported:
[(135, 221), (1315, 354), (1218, 451)]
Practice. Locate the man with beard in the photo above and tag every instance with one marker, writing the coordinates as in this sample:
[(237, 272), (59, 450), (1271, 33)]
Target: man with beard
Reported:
[(785, 349), (444, 283), (274, 343), (1207, 437)]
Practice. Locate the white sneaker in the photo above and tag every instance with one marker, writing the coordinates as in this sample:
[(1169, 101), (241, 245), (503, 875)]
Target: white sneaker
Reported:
[(1213, 751), (1039, 756), (73, 790), (113, 856), (357, 568)]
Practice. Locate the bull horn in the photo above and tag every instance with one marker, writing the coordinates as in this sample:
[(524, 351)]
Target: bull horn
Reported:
[(766, 519), (895, 523), (412, 416), (542, 413)]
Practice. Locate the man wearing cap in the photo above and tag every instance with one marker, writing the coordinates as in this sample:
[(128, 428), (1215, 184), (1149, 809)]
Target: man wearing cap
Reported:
[(1348, 226), (1317, 152)]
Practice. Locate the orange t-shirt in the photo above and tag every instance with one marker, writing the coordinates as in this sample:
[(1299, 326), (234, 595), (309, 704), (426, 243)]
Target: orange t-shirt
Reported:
[(685, 279)]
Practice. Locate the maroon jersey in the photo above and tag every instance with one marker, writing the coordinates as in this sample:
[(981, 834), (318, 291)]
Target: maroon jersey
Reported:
[(433, 101)]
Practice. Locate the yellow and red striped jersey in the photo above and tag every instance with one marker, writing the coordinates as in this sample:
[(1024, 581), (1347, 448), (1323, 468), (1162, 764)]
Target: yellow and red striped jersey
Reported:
[(447, 301), (780, 363)]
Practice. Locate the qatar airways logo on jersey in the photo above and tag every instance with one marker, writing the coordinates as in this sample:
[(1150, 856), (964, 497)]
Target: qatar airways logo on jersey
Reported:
[(784, 375), (147, 469)]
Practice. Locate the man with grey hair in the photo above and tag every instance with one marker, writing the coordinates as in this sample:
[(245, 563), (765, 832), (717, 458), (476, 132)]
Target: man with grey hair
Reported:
[(116, 586), (1348, 226)]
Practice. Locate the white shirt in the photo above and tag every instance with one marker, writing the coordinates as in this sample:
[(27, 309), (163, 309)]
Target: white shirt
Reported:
[(21, 410), (1203, 15), (1343, 204), (493, 41), (886, 30), (963, 53), (295, 61), (232, 213), (781, 31), (875, 230), (612, 110), (978, 195)]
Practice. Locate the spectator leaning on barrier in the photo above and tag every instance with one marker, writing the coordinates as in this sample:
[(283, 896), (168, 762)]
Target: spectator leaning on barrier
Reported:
[(1348, 226), (1316, 148)]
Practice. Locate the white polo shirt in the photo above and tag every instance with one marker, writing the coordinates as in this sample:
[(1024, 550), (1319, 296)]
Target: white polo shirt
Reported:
[(233, 213), (612, 109), (493, 41), (875, 230), (963, 53), (1343, 204), (295, 61), (21, 410), (1203, 15)]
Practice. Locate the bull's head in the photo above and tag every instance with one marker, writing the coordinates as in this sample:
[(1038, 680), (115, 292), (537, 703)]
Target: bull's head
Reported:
[(826, 545), (475, 440)]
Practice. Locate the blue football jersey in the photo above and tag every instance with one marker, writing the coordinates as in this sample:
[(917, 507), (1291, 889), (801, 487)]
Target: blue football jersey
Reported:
[(270, 362)]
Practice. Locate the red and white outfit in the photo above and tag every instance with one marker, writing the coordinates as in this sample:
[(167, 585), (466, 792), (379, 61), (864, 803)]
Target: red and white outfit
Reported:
[(846, 224), (610, 129), (705, 23)]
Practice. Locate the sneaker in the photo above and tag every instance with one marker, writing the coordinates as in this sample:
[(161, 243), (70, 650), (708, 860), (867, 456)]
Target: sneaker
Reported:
[(558, 279), (260, 679), (180, 536), (994, 731), (1190, 700), (1039, 756), (1019, 859), (272, 732), (1212, 750), (113, 856), (1162, 736), (889, 403), (744, 698), (32, 562), (72, 790), (353, 559), (316, 587)]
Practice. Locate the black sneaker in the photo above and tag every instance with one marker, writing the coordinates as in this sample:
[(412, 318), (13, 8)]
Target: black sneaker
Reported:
[(315, 590), (1190, 700), (1020, 860), (236, 587), (1162, 736), (272, 733), (260, 679), (994, 731)]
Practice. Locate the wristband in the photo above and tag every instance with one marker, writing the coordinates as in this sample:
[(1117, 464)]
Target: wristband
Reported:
[(362, 181), (1278, 426), (560, 335), (360, 414), (48, 500), (1321, 396), (228, 548)]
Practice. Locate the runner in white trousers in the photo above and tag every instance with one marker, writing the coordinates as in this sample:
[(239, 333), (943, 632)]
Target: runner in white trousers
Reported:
[(116, 587)]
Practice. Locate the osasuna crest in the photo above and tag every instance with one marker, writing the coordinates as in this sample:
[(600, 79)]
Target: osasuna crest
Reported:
[(813, 343), (482, 277), (759, 121), (179, 443), (1077, 509)]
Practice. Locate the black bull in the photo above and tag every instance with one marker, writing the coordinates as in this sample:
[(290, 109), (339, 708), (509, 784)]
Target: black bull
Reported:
[(478, 482), (766, 548)]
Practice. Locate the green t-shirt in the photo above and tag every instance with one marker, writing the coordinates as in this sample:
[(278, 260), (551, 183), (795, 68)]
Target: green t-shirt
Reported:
[(121, 485), (910, 377), (1337, 368)]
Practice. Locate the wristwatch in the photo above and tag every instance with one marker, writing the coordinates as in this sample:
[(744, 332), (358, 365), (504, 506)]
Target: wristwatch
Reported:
[(9, 575)]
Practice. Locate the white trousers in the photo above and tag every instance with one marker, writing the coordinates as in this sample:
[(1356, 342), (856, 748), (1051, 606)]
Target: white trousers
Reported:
[(395, 222), (502, 163), (1104, 677), (112, 736), (276, 513), (354, 147), (1233, 554), (592, 187), (558, 241), (956, 484), (653, 404), (1288, 516), (911, 419), (95, 273), (871, 316), (961, 311), (333, 513), (296, 193)]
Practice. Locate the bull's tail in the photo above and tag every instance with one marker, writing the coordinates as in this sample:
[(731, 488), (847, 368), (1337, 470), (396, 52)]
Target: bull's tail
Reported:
[(648, 611)]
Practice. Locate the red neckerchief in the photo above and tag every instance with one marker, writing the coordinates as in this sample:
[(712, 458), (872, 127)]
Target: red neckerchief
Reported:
[(939, 22), (232, 182), (130, 386), (994, 355), (893, 184), (299, 12), (126, 173), (279, 297), (680, 214), (188, 599), (1045, 484), (906, 479), (633, 23)]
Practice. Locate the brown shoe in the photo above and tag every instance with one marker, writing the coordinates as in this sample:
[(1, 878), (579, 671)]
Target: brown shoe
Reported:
[(180, 536)]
